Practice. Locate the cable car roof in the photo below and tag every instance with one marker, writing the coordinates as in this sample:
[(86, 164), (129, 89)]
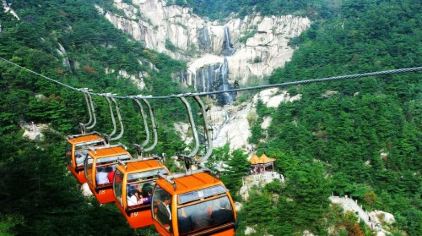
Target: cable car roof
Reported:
[(140, 165), (85, 138), (188, 183), (108, 151)]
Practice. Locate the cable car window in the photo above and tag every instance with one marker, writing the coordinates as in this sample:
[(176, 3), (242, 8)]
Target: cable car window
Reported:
[(139, 192), (147, 174), (161, 207), (112, 159), (206, 214), (201, 194), (81, 151), (117, 185), (105, 173), (106, 168), (80, 155)]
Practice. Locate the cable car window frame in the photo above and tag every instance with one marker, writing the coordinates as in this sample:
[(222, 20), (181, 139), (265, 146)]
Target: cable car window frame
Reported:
[(143, 205), (88, 160), (147, 174), (85, 146), (69, 153), (111, 162), (182, 201), (121, 183), (106, 160)]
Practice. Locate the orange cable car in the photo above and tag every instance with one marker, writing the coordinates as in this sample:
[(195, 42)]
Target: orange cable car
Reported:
[(193, 204), (133, 185), (77, 149), (99, 168), (77, 145)]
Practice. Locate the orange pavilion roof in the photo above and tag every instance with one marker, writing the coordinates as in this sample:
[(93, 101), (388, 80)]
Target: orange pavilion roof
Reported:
[(254, 160), (263, 159)]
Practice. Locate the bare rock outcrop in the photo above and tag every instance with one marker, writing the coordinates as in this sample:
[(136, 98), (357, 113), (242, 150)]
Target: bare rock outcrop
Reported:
[(219, 55)]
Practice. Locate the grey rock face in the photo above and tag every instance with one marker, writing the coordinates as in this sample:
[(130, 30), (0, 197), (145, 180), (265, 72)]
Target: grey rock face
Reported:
[(204, 40), (215, 78)]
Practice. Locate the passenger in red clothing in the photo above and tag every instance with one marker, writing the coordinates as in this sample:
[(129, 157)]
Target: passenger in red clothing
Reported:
[(110, 174)]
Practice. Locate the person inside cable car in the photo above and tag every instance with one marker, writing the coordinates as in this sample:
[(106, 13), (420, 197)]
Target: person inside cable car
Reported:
[(201, 219), (80, 156), (133, 186), (147, 193), (132, 198), (101, 176), (221, 212), (185, 223), (77, 150), (110, 174), (98, 164), (164, 212), (164, 209)]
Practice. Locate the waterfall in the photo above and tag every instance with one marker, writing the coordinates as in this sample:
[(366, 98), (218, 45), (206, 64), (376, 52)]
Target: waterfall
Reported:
[(224, 71), (228, 49), (214, 77)]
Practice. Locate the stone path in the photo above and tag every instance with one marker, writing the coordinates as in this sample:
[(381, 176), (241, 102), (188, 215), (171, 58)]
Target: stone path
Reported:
[(351, 205)]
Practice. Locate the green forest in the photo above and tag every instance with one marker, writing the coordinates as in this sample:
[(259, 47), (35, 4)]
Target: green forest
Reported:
[(329, 142)]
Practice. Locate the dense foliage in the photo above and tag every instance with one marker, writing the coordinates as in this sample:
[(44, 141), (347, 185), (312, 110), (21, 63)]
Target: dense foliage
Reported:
[(362, 137), (217, 9), (38, 195)]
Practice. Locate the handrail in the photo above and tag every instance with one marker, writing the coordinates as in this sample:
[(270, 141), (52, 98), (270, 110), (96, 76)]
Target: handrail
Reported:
[(154, 127), (206, 129), (144, 143), (119, 116), (91, 112), (113, 120), (194, 131), (110, 137), (94, 117)]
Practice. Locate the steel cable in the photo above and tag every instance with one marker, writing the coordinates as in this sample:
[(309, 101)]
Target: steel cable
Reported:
[(193, 94)]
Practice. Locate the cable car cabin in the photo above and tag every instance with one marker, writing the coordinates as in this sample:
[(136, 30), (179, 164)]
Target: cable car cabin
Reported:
[(133, 185), (77, 149), (193, 204), (100, 166)]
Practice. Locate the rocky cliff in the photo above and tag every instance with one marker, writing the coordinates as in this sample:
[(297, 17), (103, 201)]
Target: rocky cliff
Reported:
[(231, 123), (219, 55), (7, 8)]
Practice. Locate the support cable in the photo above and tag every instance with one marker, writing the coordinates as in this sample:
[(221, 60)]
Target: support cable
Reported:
[(193, 126), (279, 85)]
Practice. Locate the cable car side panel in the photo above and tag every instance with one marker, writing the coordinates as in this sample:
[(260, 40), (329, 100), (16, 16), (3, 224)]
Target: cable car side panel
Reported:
[(79, 175), (136, 219)]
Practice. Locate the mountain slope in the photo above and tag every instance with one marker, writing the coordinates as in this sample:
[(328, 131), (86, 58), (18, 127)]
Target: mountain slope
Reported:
[(68, 41), (364, 134)]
